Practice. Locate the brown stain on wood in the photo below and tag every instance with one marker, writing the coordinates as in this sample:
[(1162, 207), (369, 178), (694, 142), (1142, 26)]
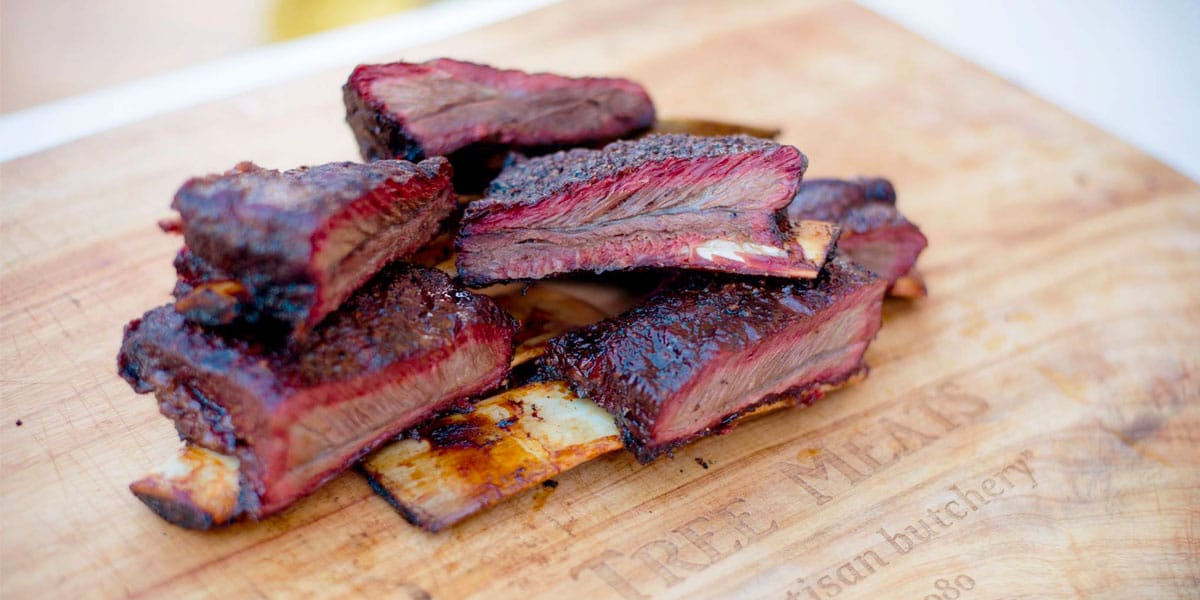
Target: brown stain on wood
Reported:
[(1076, 248), (1069, 386), (1131, 441)]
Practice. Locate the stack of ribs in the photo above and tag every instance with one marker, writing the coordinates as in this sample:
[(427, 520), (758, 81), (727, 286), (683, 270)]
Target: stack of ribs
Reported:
[(297, 344), (300, 340)]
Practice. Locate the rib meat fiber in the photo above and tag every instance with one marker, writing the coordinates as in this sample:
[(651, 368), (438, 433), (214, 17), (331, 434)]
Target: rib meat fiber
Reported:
[(707, 349), (405, 346), (874, 233), (291, 246), (475, 113), (672, 200)]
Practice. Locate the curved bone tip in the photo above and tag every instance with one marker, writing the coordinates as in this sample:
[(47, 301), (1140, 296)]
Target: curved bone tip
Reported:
[(195, 489)]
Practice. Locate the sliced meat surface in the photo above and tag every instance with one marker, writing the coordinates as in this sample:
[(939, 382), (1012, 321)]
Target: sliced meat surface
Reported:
[(266, 245), (706, 349), (671, 200), (874, 233), (406, 345), (475, 114)]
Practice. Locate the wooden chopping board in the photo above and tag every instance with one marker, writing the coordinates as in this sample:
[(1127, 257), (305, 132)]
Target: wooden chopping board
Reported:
[(1030, 430)]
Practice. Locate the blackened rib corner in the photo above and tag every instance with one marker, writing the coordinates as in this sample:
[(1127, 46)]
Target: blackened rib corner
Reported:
[(672, 200), (476, 114), (874, 233), (706, 349), (406, 345), (265, 245)]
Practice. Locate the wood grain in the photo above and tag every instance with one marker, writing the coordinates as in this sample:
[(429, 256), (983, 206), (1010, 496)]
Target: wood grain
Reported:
[(1054, 364)]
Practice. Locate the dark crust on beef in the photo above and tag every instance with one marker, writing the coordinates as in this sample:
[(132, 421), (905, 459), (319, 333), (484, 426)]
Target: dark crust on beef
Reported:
[(402, 315), (250, 218), (427, 309), (631, 363), (264, 229), (530, 181)]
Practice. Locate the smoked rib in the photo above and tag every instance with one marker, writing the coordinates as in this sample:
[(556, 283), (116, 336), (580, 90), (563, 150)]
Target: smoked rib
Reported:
[(672, 200), (706, 349), (408, 344), (476, 114), (289, 247)]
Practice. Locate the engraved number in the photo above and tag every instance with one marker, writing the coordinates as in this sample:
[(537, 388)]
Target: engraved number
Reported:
[(964, 582), (948, 590)]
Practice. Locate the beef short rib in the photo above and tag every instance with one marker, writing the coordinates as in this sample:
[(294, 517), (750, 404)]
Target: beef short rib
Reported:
[(476, 113), (874, 233), (406, 345), (291, 246), (672, 200), (706, 349)]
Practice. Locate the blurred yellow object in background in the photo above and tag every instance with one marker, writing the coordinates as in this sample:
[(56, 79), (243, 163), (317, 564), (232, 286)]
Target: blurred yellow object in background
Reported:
[(296, 18), (52, 50)]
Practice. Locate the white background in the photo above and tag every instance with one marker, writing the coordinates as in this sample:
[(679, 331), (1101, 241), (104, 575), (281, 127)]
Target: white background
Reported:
[(1130, 67)]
